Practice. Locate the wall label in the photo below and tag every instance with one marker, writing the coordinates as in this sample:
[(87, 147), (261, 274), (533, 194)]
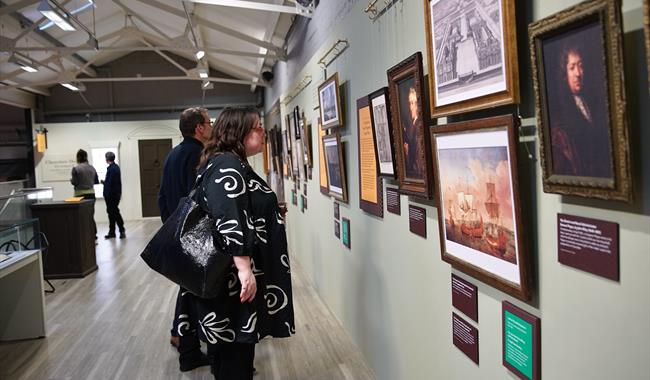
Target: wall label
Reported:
[(521, 342), (465, 337), (418, 220), (588, 244), (393, 201), (464, 296)]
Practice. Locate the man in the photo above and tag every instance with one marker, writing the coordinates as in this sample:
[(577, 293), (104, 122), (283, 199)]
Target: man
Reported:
[(411, 147), (580, 129), (179, 175), (112, 194)]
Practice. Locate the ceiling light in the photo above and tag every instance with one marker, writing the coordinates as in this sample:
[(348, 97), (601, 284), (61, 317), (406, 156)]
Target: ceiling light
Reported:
[(60, 20), (74, 86), (200, 54), (23, 64), (207, 85), (203, 72)]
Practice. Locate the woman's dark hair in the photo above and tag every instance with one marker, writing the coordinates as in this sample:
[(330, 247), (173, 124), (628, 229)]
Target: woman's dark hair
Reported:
[(229, 131), (82, 156)]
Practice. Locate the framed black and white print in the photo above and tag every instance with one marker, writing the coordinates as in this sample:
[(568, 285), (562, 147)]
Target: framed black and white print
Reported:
[(330, 103), (472, 55), (382, 131), (335, 165)]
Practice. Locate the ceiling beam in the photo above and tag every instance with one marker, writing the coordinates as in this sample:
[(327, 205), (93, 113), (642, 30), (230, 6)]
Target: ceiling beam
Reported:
[(207, 49), (212, 25), (167, 58), (296, 10), (6, 9)]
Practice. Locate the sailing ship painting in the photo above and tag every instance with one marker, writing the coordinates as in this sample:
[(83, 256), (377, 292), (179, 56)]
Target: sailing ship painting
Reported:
[(477, 199)]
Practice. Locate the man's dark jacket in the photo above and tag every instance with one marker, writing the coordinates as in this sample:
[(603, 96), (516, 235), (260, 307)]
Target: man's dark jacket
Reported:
[(113, 182), (179, 174)]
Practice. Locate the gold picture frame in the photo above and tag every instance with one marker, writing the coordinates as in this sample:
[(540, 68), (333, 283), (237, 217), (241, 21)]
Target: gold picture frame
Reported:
[(577, 64), (472, 55)]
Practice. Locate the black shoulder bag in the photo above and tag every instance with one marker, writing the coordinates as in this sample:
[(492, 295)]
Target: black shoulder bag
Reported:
[(188, 249)]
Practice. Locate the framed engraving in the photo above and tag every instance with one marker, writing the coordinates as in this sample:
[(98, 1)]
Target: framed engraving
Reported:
[(479, 208), (382, 131), (335, 165), (405, 88), (577, 61), (472, 55), (329, 100)]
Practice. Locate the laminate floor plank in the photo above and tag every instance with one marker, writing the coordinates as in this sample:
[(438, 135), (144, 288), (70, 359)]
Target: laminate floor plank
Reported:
[(114, 324)]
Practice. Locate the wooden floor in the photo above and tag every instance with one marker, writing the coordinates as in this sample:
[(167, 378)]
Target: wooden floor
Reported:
[(114, 324)]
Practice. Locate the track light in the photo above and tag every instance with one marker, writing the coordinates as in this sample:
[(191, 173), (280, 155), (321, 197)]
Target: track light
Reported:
[(203, 72), (23, 63), (74, 86), (60, 20), (200, 54), (207, 85)]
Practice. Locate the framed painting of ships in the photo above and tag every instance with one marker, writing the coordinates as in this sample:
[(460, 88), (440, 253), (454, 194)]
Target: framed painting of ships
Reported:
[(472, 55), (479, 210)]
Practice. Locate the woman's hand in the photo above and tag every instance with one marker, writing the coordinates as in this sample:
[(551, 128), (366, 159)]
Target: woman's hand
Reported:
[(246, 278)]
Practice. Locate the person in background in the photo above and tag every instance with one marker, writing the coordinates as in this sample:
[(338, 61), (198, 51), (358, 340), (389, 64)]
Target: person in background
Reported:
[(112, 194), (179, 175), (255, 298), (84, 177)]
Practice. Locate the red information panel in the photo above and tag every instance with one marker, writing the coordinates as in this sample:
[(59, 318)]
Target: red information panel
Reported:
[(588, 244), (465, 337), (464, 297), (393, 201), (418, 220)]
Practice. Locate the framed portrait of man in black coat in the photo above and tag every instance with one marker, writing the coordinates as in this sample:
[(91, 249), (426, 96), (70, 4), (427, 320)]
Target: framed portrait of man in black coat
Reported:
[(580, 101)]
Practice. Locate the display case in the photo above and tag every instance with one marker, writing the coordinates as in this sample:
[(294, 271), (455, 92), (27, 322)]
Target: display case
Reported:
[(19, 236)]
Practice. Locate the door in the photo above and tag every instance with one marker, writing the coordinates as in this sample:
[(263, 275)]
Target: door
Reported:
[(152, 156)]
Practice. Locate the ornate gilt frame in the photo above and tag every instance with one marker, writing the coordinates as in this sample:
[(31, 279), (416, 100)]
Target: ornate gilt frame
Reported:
[(509, 96), (608, 12), (411, 66)]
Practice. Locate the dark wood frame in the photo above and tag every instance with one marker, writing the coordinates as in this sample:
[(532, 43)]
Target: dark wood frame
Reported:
[(509, 96), (609, 14), (376, 209), (535, 322), (646, 30), (523, 290), (334, 78), (383, 92), (293, 169), (306, 142), (411, 66), (341, 197), (321, 149)]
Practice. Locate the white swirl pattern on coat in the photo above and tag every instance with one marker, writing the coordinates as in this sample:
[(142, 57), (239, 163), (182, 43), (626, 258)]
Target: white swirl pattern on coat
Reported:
[(256, 272), (255, 185), (250, 325), (292, 329), (279, 218), (284, 259), (182, 324), (231, 185), (272, 299), (215, 330), (228, 229)]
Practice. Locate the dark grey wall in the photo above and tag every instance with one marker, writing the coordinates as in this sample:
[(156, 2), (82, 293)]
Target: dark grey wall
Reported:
[(150, 100), (16, 149)]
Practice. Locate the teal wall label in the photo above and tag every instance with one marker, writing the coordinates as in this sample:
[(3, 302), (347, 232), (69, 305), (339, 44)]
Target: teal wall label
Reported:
[(345, 234), (521, 342)]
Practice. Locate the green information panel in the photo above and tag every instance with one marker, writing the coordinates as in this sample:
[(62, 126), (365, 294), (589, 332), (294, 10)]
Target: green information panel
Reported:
[(521, 332), (519, 344)]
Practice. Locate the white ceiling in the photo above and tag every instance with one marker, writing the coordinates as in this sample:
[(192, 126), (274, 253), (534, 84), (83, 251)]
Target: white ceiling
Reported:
[(239, 42)]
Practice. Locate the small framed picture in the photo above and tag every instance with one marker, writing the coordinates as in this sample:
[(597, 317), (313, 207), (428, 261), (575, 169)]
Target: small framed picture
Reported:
[(577, 62), (479, 208), (474, 47), (335, 167), (382, 131), (409, 121), (330, 103)]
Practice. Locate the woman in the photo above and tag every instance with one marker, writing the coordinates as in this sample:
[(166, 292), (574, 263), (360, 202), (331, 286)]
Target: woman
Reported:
[(84, 177), (255, 299)]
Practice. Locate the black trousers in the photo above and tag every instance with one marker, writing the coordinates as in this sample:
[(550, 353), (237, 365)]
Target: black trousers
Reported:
[(114, 215), (232, 361), (92, 197)]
